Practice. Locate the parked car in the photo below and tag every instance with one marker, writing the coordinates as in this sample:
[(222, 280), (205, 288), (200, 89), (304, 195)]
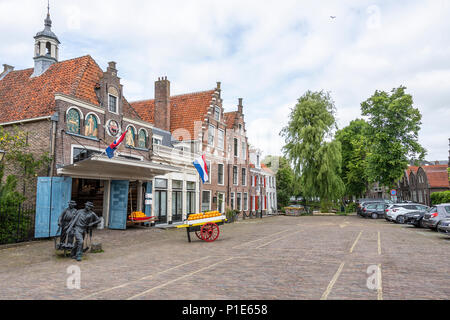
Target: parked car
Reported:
[(415, 218), (374, 210), (435, 215), (444, 227), (366, 202), (396, 213)]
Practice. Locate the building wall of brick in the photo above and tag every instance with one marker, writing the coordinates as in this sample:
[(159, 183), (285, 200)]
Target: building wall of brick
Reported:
[(38, 137)]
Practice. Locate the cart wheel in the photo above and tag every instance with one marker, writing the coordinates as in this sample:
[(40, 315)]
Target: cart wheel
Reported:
[(199, 235), (209, 232)]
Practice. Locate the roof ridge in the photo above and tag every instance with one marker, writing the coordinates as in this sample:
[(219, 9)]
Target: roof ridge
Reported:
[(192, 93)]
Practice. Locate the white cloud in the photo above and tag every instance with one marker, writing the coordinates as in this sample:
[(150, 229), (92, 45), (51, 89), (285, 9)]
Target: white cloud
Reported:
[(268, 53)]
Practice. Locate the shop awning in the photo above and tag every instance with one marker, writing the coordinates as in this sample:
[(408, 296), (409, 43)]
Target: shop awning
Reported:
[(101, 167)]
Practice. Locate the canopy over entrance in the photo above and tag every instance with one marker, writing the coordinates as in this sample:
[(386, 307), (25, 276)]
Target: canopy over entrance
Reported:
[(101, 167)]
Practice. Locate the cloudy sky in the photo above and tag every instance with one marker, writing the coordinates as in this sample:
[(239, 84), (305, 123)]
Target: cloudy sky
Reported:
[(267, 52)]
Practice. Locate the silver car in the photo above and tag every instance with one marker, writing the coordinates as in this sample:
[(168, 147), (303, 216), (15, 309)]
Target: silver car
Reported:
[(435, 215), (444, 227)]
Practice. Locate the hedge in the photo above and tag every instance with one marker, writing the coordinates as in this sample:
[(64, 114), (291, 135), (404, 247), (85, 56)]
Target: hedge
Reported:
[(440, 197)]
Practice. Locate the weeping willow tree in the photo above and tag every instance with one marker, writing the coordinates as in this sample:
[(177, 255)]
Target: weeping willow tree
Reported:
[(315, 156)]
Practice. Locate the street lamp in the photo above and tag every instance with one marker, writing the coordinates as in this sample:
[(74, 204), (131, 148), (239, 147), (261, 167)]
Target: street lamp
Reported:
[(2, 155)]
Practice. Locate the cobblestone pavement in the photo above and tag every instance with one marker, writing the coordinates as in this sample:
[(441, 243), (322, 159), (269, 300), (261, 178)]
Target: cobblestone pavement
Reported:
[(273, 258)]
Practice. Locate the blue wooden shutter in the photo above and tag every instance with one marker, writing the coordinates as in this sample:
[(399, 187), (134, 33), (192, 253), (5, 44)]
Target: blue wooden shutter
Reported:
[(118, 205), (52, 197), (42, 218), (148, 207)]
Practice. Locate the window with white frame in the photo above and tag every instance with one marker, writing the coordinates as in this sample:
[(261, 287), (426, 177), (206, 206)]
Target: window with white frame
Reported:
[(235, 175), (220, 139), (238, 201), (243, 153), (244, 176), (112, 103), (217, 113), (236, 147), (220, 179), (245, 201), (211, 132), (206, 201)]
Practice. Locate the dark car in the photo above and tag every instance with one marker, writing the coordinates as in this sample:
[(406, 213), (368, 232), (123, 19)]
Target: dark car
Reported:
[(435, 215), (374, 210), (415, 218), (366, 202), (444, 227)]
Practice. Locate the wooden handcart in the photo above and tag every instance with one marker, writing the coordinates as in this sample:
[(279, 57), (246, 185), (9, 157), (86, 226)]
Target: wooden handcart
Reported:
[(133, 219), (205, 229)]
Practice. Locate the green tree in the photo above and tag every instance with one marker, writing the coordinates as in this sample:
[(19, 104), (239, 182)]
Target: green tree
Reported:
[(315, 157), (355, 150), (393, 131), (285, 182)]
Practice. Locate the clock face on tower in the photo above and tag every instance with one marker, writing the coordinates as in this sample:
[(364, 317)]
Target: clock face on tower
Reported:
[(113, 128)]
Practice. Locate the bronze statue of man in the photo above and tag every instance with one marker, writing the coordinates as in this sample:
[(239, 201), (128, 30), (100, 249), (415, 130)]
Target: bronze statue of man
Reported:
[(83, 220), (66, 239)]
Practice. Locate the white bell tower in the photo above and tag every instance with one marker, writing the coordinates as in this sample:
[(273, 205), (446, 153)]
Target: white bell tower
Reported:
[(46, 47)]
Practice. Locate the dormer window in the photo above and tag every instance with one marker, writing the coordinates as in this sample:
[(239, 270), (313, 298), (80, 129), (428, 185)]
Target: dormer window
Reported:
[(112, 103)]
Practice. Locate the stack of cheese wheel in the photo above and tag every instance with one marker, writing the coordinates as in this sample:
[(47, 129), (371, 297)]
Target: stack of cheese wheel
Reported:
[(205, 215)]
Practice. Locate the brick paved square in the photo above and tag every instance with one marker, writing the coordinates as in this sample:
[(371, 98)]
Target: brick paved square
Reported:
[(280, 257)]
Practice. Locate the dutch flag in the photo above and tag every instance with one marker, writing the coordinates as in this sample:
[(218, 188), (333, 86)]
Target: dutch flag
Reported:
[(200, 165), (113, 146)]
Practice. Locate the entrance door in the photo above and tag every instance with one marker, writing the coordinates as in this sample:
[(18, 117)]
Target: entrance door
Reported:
[(52, 198), (118, 205), (177, 206), (160, 206), (221, 202)]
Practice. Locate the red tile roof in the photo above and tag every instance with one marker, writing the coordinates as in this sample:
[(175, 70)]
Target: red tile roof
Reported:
[(185, 109), (23, 97), (437, 176), (145, 109), (230, 118)]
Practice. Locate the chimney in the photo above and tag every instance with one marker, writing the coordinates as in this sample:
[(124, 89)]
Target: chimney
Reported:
[(218, 88), (162, 104), (240, 107), (6, 69)]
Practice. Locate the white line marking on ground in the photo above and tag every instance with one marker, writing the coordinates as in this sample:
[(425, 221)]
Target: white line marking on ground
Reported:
[(332, 282), (270, 235), (144, 278), (379, 243), (177, 279), (380, 287), (263, 245), (356, 241)]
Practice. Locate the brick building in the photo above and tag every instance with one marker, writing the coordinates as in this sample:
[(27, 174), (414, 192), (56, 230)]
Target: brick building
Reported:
[(199, 124), (72, 110), (418, 183)]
